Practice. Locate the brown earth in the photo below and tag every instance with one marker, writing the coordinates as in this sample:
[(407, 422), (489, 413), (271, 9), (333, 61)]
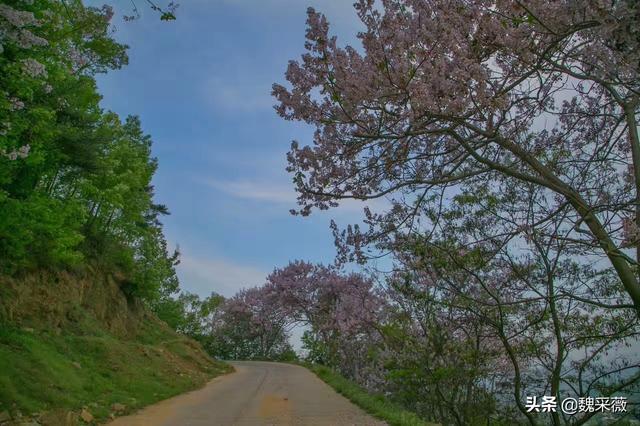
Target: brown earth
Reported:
[(44, 299)]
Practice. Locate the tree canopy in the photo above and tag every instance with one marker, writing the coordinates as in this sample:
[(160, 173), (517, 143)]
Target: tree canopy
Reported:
[(476, 96), (75, 180)]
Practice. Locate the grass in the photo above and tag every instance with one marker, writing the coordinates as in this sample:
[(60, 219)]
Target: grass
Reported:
[(46, 373), (70, 342), (375, 404)]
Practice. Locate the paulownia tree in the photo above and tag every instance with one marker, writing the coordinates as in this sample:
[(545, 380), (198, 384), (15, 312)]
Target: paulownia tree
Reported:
[(437, 359), (550, 323), (443, 92), (343, 312)]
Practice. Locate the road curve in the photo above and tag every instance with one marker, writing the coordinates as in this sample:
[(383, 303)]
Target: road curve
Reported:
[(258, 393)]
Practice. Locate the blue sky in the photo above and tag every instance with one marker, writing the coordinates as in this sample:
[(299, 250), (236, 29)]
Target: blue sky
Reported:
[(201, 85)]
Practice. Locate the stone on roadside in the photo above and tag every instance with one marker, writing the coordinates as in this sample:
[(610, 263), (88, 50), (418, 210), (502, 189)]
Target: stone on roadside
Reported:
[(86, 415), (117, 407)]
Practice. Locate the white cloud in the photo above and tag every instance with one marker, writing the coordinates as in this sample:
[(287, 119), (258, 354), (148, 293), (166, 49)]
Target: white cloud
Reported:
[(259, 191), (274, 193), (203, 275)]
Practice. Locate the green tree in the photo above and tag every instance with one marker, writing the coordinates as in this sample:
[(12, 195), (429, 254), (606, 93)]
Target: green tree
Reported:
[(75, 181)]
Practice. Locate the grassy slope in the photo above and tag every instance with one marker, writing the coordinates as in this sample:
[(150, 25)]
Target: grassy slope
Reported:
[(53, 372), (376, 405)]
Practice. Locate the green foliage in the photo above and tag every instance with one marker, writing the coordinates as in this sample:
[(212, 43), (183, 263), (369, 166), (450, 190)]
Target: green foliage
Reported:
[(39, 230), (316, 351), (75, 190), (83, 191), (325, 348), (188, 314), (170, 310), (222, 333), (376, 405), (95, 369), (238, 338)]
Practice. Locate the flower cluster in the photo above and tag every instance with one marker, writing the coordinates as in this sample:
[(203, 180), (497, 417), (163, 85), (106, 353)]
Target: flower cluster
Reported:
[(21, 152), (33, 68), (14, 25)]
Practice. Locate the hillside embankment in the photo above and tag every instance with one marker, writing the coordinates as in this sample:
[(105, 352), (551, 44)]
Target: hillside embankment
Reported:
[(74, 349)]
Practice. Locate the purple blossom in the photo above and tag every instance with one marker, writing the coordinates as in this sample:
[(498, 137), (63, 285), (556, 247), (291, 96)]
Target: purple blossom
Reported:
[(13, 28), (33, 68), (16, 104), (21, 152)]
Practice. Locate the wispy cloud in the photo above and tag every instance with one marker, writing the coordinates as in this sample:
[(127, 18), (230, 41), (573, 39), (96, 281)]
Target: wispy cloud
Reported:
[(264, 191), (254, 190), (202, 275)]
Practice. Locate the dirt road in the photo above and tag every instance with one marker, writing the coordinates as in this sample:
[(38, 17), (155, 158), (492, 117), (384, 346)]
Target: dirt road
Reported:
[(258, 393)]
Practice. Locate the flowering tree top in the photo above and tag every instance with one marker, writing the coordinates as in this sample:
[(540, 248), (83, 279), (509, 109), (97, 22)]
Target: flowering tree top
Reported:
[(453, 93)]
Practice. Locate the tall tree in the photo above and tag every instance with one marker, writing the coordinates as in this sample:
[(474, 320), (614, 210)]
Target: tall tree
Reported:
[(75, 181), (441, 93)]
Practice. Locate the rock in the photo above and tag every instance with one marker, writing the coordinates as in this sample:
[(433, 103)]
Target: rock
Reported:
[(117, 407), (86, 415), (59, 417), (28, 329), (5, 416), (76, 364)]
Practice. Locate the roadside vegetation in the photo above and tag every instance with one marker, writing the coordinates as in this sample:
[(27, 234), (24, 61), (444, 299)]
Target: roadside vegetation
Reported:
[(57, 378), (376, 405), (74, 345)]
